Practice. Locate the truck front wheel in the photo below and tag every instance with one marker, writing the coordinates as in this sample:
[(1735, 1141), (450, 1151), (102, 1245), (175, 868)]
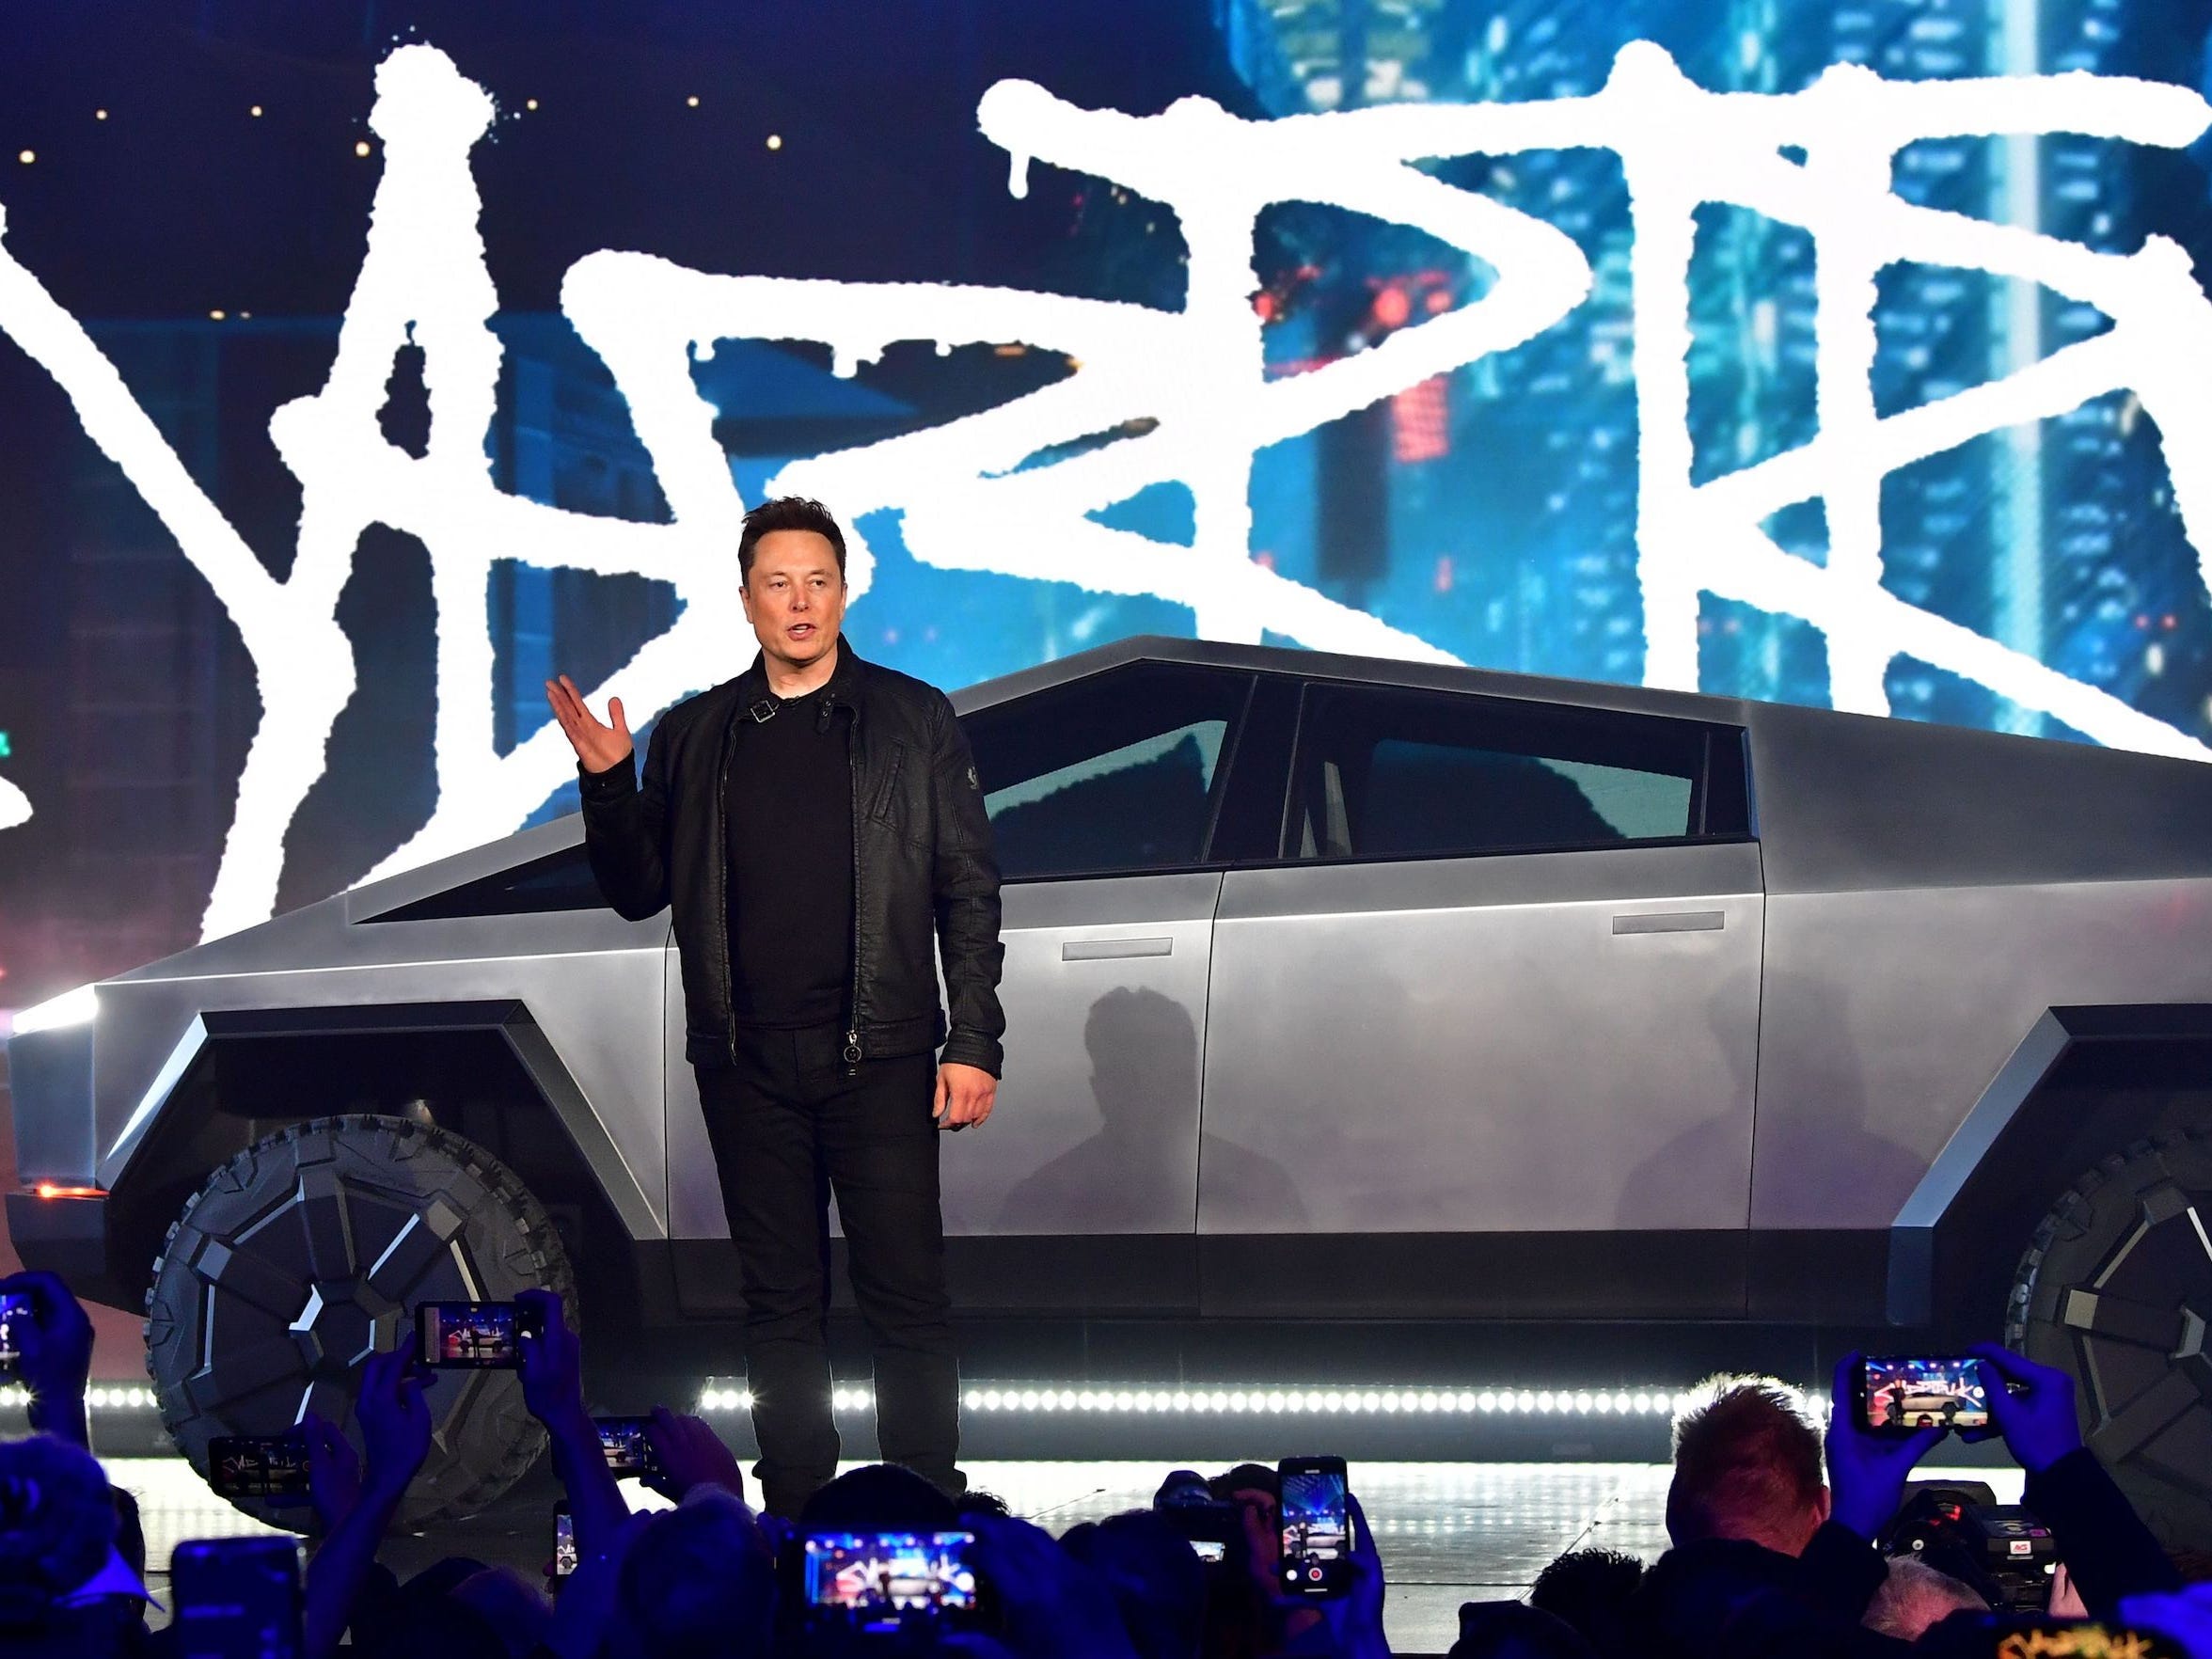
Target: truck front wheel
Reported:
[(2116, 1287), (308, 1250)]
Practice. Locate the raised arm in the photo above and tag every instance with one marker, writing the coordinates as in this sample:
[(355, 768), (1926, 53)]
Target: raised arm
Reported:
[(395, 1432), (626, 825), (553, 1388)]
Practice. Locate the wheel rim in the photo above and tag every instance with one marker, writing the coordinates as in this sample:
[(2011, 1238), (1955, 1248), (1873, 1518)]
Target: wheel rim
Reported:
[(2127, 1316), (2139, 1326), (309, 1252)]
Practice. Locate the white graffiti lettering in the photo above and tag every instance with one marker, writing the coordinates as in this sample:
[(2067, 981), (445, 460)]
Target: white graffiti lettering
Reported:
[(1198, 373)]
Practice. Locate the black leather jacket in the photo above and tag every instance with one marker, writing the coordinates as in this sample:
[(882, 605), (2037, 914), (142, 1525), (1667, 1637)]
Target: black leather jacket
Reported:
[(924, 876)]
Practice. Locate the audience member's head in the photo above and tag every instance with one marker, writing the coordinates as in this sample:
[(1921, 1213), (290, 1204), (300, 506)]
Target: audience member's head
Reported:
[(438, 1580), (976, 1501), (430, 1626), (58, 1525), (883, 1496), (1747, 1466), (1254, 1487), (1915, 1598), (460, 1607), (511, 1604), (1591, 1590), (1156, 1577), (1514, 1630), (64, 1586), (1256, 1478), (698, 1581)]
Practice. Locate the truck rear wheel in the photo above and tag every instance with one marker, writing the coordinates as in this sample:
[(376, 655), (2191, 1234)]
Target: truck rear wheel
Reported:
[(2116, 1287), (308, 1250)]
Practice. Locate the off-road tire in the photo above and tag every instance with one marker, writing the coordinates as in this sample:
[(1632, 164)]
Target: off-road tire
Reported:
[(2116, 1288), (311, 1248)]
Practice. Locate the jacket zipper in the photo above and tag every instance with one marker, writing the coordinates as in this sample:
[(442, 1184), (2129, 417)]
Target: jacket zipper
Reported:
[(852, 757), (722, 865)]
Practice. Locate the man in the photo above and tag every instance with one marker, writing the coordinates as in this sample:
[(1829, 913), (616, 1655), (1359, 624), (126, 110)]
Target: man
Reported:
[(814, 824), (1763, 1546), (1747, 1466), (1783, 1564), (1915, 1598)]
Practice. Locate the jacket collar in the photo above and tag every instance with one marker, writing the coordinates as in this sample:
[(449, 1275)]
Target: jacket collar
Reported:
[(845, 684)]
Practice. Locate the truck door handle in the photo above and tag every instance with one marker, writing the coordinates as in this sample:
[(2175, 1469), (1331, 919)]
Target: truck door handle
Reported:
[(1672, 922), (1099, 950)]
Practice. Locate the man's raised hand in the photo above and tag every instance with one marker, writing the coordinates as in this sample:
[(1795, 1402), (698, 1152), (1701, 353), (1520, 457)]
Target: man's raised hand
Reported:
[(598, 746)]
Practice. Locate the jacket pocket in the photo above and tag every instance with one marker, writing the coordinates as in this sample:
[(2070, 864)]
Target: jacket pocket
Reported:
[(886, 802)]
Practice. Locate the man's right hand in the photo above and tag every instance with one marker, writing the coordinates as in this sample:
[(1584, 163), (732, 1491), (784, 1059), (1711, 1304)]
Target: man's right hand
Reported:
[(598, 746), (1867, 1471), (2040, 1425), (552, 1367)]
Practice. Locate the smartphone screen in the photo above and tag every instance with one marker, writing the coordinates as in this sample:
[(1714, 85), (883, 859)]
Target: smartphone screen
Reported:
[(273, 1467), (564, 1550), (624, 1440), (473, 1335), (1317, 1524), (1900, 1394), (15, 1311), (237, 1598), (884, 1577)]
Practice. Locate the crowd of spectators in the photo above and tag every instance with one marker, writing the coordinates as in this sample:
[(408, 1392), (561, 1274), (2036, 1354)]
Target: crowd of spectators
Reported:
[(1776, 1538)]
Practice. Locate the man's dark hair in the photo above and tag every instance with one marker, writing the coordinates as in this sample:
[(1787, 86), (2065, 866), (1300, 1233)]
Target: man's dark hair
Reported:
[(1514, 1630), (56, 1526), (698, 1583), (1247, 1477), (1156, 1577), (1591, 1590), (886, 1496), (787, 513)]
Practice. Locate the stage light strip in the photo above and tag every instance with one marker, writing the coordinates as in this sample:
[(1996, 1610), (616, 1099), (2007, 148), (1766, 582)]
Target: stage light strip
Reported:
[(100, 1397), (1066, 1399), (1019, 1398), (1417, 1401)]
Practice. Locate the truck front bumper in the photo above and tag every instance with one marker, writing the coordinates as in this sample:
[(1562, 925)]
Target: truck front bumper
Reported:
[(66, 1235)]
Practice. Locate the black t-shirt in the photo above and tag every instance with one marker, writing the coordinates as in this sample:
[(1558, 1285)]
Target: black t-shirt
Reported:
[(788, 816)]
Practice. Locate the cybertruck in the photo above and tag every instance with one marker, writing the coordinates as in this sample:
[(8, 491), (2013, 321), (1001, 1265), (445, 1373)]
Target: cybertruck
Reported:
[(1336, 989)]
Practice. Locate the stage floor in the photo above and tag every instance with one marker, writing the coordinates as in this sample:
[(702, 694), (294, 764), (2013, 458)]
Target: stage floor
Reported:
[(1448, 1532)]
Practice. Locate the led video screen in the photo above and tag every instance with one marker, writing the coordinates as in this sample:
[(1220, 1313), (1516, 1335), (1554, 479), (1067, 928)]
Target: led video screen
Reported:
[(366, 366)]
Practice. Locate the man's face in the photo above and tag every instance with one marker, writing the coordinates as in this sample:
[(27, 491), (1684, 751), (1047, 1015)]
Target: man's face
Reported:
[(795, 595)]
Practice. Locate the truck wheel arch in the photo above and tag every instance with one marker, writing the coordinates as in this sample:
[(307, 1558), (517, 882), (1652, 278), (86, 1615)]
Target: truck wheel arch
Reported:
[(2085, 1082), (482, 1069)]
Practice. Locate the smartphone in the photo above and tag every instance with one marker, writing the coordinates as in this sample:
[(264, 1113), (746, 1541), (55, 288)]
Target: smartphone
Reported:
[(15, 1313), (1317, 1526), (629, 1450), (1900, 1394), (1209, 1528), (272, 1467), (474, 1335), (564, 1550), (880, 1580), (237, 1598)]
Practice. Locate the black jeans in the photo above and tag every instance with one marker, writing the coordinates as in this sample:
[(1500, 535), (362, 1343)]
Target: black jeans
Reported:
[(790, 1123)]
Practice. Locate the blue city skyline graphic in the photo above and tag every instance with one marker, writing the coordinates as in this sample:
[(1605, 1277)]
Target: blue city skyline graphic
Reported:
[(1490, 512)]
